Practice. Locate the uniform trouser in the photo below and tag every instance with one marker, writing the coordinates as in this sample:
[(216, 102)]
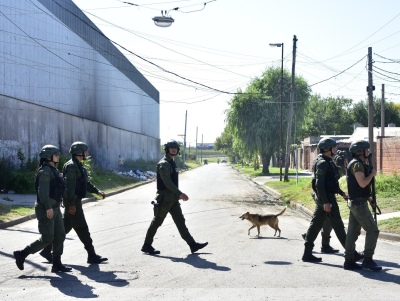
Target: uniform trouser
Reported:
[(318, 220), (79, 224), (326, 232), (326, 228), (172, 207), (360, 216), (52, 231)]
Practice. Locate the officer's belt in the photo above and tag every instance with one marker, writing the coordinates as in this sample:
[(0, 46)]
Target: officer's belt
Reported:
[(358, 201)]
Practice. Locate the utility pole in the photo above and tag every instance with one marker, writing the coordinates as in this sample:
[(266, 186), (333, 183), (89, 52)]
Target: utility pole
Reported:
[(201, 150), (382, 128), (289, 128), (184, 144), (196, 144), (280, 130), (370, 90)]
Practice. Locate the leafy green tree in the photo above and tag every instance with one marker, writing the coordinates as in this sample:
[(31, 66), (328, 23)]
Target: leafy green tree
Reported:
[(324, 116), (360, 113), (254, 116)]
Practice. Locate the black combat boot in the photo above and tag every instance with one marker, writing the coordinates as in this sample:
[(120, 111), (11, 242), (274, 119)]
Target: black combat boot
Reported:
[(358, 256), (46, 253), (370, 264), (20, 257), (309, 257), (93, 257), (58, 266), (195, 246), (327, 249), (150, 250), (351, 265)]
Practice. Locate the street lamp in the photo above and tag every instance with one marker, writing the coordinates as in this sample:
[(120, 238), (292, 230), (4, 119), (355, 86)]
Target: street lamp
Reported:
[(280, 132), (164, 20)]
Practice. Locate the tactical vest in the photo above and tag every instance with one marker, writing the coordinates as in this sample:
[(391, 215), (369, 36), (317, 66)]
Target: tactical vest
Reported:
[(81, 183), (174, 176), (331, 177), (355, 190), (57, 185)]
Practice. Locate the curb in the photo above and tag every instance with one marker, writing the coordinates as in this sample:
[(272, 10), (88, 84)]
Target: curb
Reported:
[(84, 201), (309, 214)]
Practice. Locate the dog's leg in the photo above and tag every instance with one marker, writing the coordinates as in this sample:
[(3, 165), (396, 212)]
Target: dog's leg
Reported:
[(248, 232), (258, 229)]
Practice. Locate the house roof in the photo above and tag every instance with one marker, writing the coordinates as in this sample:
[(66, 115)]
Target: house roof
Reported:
[(361, 133)]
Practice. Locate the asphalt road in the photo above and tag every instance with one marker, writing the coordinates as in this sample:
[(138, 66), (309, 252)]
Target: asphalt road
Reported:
[(234, 266)]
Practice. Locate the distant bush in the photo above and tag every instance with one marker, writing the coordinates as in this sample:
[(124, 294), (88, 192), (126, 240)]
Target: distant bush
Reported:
[(141, 164)]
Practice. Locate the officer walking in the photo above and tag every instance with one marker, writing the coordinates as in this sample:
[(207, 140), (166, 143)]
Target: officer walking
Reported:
[(341, 162), (78, 183), (326, 185), (167, 201), (359, 179), (50, 187)]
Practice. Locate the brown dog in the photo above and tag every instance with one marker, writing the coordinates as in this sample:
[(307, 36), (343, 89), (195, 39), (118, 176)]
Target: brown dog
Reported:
[(259, 220)]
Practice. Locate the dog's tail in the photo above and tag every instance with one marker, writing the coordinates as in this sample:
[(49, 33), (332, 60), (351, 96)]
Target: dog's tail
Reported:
[(284, 209)]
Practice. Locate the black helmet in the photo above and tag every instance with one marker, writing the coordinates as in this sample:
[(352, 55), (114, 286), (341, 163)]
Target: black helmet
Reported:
[(171, 143), (358, 146), (326, 143), (48, 151), (78, 148), (341, 153)]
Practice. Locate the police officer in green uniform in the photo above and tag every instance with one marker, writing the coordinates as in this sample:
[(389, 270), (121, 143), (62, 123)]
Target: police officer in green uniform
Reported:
[(359, 178), (326, 186), (50, 187), (167, 201), (341, 162), (77, 184)]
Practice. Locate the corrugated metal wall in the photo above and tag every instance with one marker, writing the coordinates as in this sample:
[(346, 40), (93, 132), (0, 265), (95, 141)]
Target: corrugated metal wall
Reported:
[(61, 81)]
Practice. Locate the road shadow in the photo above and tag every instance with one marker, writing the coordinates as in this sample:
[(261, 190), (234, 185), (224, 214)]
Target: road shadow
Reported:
[(267, 237), (94, 273), (197, 262), (278, 262), (27, 261), (383, 275), (66, 283)]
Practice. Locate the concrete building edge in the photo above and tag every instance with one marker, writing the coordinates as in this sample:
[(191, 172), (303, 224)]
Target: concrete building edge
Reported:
[(84, 201)]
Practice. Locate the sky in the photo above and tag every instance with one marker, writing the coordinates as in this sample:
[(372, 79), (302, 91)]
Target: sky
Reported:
[(212, 50)]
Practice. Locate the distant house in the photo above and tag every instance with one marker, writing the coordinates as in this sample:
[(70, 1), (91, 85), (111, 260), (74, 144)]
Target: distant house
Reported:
[(386, 148), (205, 145)]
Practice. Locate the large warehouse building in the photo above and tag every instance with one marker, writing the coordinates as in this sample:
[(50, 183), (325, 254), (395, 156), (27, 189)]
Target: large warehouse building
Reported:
[(62, 80)]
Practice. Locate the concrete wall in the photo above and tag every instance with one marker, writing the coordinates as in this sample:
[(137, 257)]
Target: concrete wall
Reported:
[(61, 80), (34, 126)]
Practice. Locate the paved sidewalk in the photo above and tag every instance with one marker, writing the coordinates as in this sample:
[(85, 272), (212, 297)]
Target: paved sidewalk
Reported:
[(29, 200)]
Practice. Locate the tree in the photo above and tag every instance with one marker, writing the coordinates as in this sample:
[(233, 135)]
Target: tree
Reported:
[(327, 116), (254, 116), (360, 113)]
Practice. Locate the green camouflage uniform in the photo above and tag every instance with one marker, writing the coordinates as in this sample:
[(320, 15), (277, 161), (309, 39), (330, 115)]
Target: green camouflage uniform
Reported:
[(74, 171), (52, 230), (168, 199), (360, 216), (324, 166)]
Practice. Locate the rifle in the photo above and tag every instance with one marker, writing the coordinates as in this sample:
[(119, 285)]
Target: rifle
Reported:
[(374, 204)]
